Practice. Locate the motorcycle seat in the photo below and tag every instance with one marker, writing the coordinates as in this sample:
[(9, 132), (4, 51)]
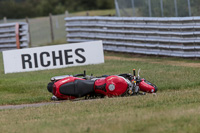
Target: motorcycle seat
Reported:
[(78, 88)]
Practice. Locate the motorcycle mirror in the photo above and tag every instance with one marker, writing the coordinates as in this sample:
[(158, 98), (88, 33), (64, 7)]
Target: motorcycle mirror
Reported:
[(139, 73)]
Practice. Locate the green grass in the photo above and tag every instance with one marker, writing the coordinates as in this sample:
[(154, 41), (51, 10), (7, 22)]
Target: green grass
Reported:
[(168, 112), (94, 13), (175, 108), (30, 87)]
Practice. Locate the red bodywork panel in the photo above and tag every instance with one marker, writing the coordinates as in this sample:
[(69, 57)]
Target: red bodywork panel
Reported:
[(111, 86), (145, 87), (59, 83)]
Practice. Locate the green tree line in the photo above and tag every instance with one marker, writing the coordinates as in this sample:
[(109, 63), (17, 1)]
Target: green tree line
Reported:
[(34, 8)]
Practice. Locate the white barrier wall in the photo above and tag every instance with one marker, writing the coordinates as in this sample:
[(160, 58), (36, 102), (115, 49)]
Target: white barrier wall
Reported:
[(13, 36), (178, 36)]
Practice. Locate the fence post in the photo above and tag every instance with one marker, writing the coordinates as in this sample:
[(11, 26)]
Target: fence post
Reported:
[(161, 7), (66, 13), (149, 3), (133, 6), (189, 8), (17, 35), (117, 8), (27, 21), (175, 6), (51, 27), (5, 19)]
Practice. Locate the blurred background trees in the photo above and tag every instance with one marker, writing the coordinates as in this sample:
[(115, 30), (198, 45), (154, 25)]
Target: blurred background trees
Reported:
[(34, 8)]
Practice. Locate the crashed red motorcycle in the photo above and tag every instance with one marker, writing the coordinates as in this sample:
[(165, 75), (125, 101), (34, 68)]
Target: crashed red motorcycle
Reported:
[(73, 86)]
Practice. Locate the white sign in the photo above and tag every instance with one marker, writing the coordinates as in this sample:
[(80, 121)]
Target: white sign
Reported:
[(51, 57)]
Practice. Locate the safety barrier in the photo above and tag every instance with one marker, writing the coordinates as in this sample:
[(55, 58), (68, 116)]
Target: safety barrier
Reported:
[(14, 36), (176, 36)]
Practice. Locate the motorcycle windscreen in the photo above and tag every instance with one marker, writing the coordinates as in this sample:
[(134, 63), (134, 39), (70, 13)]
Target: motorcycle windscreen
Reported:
[(78, 88)]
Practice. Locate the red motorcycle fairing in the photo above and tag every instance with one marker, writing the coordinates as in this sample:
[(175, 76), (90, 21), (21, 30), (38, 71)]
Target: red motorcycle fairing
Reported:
[(58, 84), (111, 86), (146, 86)]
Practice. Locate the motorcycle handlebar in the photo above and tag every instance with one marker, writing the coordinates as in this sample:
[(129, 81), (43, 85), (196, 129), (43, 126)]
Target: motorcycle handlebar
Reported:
[(82, 74), (134, 72)]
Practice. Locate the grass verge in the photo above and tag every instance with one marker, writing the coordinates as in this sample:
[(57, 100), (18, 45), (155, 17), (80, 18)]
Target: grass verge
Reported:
[(30, 87), (168, 112), (174, 109)]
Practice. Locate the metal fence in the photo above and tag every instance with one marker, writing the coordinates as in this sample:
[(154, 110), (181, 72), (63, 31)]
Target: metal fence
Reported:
[(40, 30), (13, 35), (157, 8), (143, 35)]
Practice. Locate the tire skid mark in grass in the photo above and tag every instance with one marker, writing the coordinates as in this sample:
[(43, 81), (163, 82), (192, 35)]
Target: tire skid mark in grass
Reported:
[(26, 105)]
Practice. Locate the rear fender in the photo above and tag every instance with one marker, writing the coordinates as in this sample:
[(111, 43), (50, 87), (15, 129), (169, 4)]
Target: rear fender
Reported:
[(59, 83)]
